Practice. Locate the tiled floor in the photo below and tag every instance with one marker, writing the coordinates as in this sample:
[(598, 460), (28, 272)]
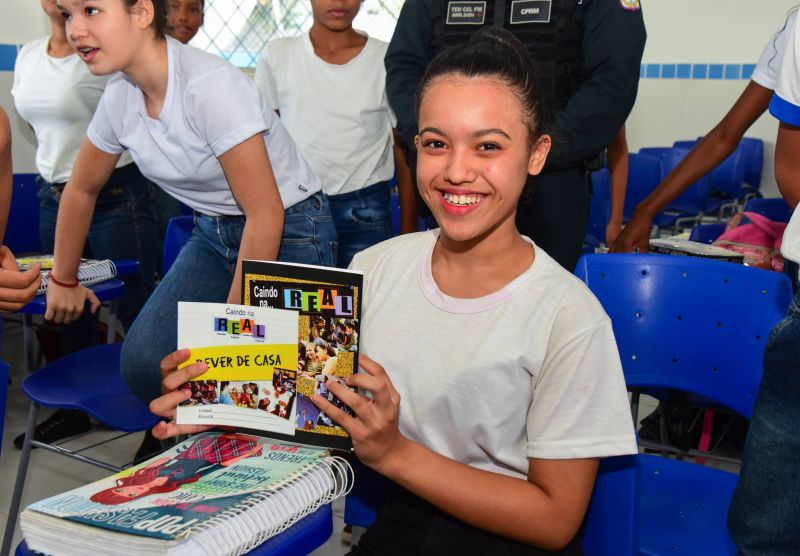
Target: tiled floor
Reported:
[(50, 474)]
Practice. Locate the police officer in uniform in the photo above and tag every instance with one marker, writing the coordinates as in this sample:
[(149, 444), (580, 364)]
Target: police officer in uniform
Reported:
[(588, 53)]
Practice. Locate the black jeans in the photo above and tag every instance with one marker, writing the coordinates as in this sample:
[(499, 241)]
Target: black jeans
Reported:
[(407, 526)]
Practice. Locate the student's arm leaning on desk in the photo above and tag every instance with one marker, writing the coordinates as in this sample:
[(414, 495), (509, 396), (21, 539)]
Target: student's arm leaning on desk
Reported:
[(91, 171), (16, 288)]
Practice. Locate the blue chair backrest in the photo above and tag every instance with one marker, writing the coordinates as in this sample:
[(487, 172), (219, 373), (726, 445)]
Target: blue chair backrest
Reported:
[(688, 144), (706, 233), (600, 209), (774, 208), (753, 155), (728, 176), (179, 229), (693, 199), (690, 324), (394, 211), (22, 230), (611, 527), (644, 174)]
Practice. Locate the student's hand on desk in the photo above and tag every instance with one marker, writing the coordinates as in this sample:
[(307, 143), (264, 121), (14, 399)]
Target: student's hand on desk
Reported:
[(635, 236), (65, 305), (171, 379), (16, 288), (374, 429)]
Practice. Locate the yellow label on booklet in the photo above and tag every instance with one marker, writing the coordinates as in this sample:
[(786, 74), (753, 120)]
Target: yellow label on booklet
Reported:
[(244, 362)]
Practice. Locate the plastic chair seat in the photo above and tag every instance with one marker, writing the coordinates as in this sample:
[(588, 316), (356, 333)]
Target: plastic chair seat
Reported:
[(774, 208), (90, 380), (706, 233), (684, 508), (301, 538)]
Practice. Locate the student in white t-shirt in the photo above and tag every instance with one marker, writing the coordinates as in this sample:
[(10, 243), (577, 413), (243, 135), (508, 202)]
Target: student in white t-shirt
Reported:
[(763, 517), (712, 149), (329, 87), (198, 128), (495, 379), (57, 96), (184, 19), (16, 288)]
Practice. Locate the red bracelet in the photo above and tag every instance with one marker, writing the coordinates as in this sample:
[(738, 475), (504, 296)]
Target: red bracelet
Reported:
[(62, 284)]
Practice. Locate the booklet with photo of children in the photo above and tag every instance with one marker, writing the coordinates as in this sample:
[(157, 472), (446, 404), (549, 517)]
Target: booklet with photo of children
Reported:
[(327, 302), (213, 493), (251, 354)]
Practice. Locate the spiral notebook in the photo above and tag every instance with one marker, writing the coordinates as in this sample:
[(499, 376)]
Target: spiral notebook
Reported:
[(213, 494), (90, 271)]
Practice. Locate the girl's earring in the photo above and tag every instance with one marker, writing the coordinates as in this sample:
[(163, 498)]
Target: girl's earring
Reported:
[(416, 141)]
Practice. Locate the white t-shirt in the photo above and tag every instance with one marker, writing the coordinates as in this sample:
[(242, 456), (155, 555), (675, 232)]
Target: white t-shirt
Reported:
[(209, 108), (338, 114), (57, 97), (785, 106), (769, 64), (530, 371)]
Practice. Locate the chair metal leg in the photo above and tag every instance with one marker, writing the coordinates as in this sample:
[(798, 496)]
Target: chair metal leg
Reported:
[(27, 340), (19, 485), (111, 327)]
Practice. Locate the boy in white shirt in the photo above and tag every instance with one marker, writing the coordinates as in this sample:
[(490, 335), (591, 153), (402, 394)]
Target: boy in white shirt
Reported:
[(329, 87), (763, 515)]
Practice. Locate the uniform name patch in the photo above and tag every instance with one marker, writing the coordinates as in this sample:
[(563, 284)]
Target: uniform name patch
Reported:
[(530, 11), (632, 5), (466, 13)]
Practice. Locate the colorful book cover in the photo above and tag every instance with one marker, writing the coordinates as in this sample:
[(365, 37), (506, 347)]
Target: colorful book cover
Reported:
[(209, 476), (251, 353), (328, 301)]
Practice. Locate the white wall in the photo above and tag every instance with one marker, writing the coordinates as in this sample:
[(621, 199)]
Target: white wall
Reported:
[(679, 31), (711, 31), (22, 21)]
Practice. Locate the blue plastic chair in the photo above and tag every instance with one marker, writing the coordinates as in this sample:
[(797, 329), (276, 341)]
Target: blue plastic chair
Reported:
[(300, 539), (706, 233), (678, 325), (179, 229), (725, 181), (600, 209), (394, 210), (774, 208), (753, 155), (22, 229), (88, 380), (644, 174), (690, 205)]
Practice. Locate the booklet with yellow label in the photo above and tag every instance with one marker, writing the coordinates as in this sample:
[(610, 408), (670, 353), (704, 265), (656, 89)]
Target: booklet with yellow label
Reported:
[(251, 353)]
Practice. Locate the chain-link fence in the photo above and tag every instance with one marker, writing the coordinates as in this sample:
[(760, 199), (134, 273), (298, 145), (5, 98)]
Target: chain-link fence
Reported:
[(237, 30)]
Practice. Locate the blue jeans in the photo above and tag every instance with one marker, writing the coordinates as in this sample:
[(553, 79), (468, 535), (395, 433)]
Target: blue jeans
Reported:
[(764, 517), (362, 219), (203, 271), (123, 227)]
